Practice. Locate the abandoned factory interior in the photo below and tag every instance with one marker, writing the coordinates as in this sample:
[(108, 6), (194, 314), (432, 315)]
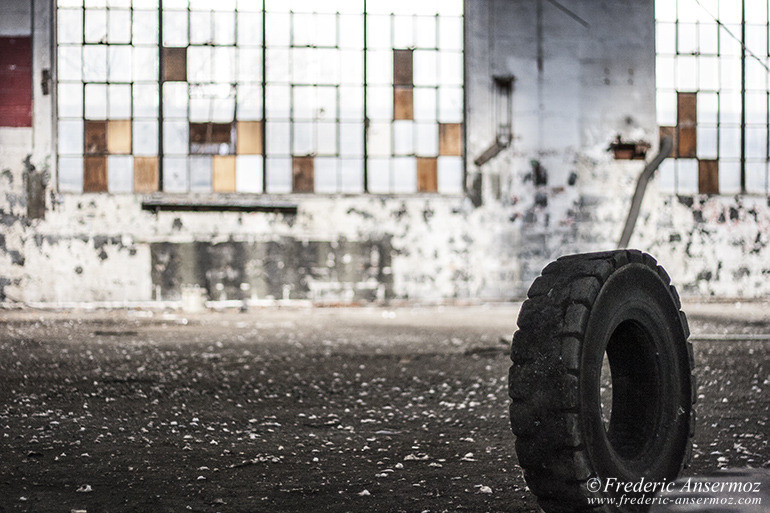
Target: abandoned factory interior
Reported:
[(351, 151)]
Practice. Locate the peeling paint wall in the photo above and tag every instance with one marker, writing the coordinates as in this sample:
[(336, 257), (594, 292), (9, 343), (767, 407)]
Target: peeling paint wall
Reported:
[(582, 77)]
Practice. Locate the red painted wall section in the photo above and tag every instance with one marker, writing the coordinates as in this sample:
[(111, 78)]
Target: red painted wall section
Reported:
[(15, 81)]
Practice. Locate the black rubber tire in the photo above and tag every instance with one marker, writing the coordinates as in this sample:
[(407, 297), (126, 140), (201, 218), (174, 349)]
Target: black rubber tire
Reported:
[(618, 302)]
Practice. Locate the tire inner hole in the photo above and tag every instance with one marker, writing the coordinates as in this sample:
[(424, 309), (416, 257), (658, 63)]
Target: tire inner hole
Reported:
[(629, 390)]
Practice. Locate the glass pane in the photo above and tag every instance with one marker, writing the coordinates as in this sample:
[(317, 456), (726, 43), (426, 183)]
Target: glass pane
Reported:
[(249, 29), (686, 73), (667, 173), (756, 74), (224, 28), (756, 38), (730, 107), (756, 142), (249, 102), (278, 137), (119, 26), (707, 105), (326, 175), (729, 142), (352, 139), (96, 101), (403, 32), (145, 27), (351, 103), (404, 175), (425, 67), (379, 139), (379, 67), (687, 179), (450, 175), (326, 138), (201, 109), (95, 63), (450, 104), (199, 64), (756, 107), (351, 176), (175, 137), (664, 72), (119, 97), (145, 64), (278, 29), (145, 100), (249, 65), (200, 27), (378, 34), (450, 68), (70, 174), (174, 28), (328, 66), (277, 65), (351, 32), (687, 42), (71, 137), (666, 107), (425, 32), (119, 63), (175, 174), (278, 175), (223, 110), (707, 142), (70, 66), (730, 73), (427, 139), (145, 138), (708, 73), (200, 174), (175, 99), (70, 100), (450, 33), (302, 141), (665, 37), (708, 38), (379, 102), (756, 177), (248, 173), (223, 67), (403, 137), (120, 173), (379, 175), (327, 102), (352, 69), (70, 26), (729, 177), (303, 102), (96, 26), (277, 98)]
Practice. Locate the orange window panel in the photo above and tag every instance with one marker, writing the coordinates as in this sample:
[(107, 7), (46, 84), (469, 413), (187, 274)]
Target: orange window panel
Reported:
[(145, 174), (303, 174), (427, 174), (450, 139), (708, 177), (96, 137), (119, 136), (95, 174), (224, 173), (249, 138)]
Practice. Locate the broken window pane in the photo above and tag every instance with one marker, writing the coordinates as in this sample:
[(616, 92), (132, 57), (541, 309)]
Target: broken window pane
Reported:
[(175, 174), (450, 139), (145, 174), (119, 136), (211, 138), (279, 173), (249, 137), (95, 174), (403, 102), (450, 175), (200, 174), (326, 175), (303, 174), (223, 173), (248, 173), (119, 97), (96, 101), (427, 180), (145, 137), (120, 173), (70, 174)]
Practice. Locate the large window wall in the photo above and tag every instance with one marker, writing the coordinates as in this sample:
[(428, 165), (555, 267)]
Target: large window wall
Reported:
[(712, 93), (342, 96)]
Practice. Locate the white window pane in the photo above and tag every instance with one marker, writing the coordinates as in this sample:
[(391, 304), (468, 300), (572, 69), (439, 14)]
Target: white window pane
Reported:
[(351, 139), (404, 174), (119, 26), (174, 28), (96, 101), (707, 105), (450, 68), (756, 74), (146, 100), (707, 142), (730, 73), (450, 175), (664, 72), (145, 138), (687, 179), (175, 137), (175, 174), (145, 4), (351, 31), (326, 138), (425, 67), (687, 41), (379, 67), (249, 64), (730, 107), (666, 107), (403, 137), (379, 102), (278, 29), (277, 98), (427, 139), (708, 73), (728, 12), (303, 102), (96, 26), (686, 73), (351, 103), (248, 5), (708, 38), (70, 66), (327, 103), (756, 107), (379, 175), (325, 30), (278, 137), (352, 69), (325, 175), (756, 37), (201, 27), (302, 140), (249, 102), (199, 64), (351, 176), (223, 65), (119, 3), (328, 66), (71, 137), (667, 173), (175, 99), (249, 28), (119, 98), (450, 33), (70, 26), (729, 177), (756, 142), (756, 10), (450, 104), (95, 3), (665, 11), (71, 174), (223, 110), (303, 65), (303, 29), (120, 173), (248, 173), (200, 174), (277, 65), (729, 142), (145, 27), (425, 32), (95, 63), (689, 10), (379, 139), (729, 44), (145, 64), (201, 109), (665, 38), (756, 177), (278, 175), (119, 63), (70, 99), (378, 32), (70, 3), (403, 32), (224, 28)]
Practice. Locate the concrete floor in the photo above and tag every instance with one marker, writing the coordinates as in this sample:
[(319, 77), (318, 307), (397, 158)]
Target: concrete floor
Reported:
[(338, 409)]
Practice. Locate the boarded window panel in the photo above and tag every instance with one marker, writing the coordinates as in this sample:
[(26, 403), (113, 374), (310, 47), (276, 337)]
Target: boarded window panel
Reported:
[(145, 174), (175, 64), (224, 173), (402, 67), (15, 81), (687, 141), (686, 109), (302, 174), (670, 132), (427, 175), (708, 177), (249, 138), (450, 137), (403, 103), (119, 136), (96, 137), (95, 174)]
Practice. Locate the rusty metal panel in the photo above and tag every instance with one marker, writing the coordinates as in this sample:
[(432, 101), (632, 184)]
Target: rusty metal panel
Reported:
[(145, 174), (96, 137), (119, 136), (450, 139), (249, 138), (302, 174), (224, 173), (16, 81), (687, 141), (708, 176), (95, 174), (427, 174), (670, 132), (686, 109), (403, 102), (402, 67), (174, 64)]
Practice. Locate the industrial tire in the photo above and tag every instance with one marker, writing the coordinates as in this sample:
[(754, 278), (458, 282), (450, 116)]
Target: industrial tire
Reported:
[(618, 302)]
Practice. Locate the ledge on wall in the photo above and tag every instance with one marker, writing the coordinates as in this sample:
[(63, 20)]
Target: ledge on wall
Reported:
[(217, 204)]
